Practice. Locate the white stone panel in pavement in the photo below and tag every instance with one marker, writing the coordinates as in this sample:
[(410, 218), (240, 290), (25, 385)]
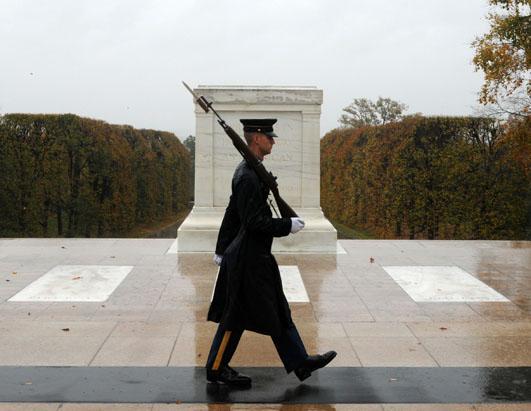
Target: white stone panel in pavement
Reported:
[(75, 283), (292, 284), (441, 283)]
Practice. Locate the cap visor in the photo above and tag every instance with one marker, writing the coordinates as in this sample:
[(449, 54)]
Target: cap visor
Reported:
[(270, 134)]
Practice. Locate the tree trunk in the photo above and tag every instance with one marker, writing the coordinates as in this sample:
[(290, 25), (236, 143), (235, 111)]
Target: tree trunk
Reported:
[(59, 212)]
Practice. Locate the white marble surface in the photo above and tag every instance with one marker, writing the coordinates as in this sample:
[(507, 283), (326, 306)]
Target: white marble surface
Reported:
[(295, 161), (292, 284), (74, 283), (442, 283), (260, 94), (340, 249), (174, 247), (285, 160), (199, 232)]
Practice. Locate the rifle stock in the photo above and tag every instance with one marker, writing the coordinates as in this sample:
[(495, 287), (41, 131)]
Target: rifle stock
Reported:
[(284, 209)]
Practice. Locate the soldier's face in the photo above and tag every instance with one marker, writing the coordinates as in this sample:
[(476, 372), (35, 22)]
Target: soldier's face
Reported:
[(265, 144)]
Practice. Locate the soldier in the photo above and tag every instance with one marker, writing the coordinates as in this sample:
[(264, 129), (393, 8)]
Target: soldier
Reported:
[(248, 293)]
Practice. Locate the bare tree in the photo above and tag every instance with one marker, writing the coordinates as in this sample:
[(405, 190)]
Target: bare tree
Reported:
[(516, 105)]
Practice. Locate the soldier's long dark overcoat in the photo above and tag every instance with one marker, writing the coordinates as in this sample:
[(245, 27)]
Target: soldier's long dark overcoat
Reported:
[(248, 293)]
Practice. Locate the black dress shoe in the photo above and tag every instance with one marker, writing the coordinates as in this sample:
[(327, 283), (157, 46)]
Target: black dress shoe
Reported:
[(229, 376), (312, 363)]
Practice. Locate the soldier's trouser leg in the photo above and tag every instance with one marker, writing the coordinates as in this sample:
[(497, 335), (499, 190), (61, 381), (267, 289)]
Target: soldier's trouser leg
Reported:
[(223, 347), (290, 348)]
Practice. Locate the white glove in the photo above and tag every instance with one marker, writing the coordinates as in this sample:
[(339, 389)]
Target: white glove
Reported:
[(217, 259), (297, 224)]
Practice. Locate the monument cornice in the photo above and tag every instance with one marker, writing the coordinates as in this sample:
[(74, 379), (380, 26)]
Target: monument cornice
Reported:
[(262, 95)]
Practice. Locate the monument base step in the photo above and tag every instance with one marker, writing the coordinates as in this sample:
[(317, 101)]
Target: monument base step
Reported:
[(199, 233)]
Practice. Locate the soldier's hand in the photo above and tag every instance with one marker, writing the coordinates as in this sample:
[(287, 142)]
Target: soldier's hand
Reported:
[(217, 259), (297, 224)]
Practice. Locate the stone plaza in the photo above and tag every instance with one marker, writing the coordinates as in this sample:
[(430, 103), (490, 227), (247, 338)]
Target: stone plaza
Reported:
[(140, 342)]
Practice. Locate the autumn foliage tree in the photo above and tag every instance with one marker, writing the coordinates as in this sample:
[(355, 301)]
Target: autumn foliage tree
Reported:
[(504, 56), (63, 175)]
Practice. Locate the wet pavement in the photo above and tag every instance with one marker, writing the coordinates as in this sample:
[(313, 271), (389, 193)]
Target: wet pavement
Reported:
[(270, 384), (155, 318)]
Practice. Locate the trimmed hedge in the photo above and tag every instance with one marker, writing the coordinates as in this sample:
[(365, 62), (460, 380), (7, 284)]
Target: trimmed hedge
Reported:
[(64, 175), (430, 177)]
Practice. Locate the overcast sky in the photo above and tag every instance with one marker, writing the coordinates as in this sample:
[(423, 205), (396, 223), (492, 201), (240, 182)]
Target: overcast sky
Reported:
[(123, 61)]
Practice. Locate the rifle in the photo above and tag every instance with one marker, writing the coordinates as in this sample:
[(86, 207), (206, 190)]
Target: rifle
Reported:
[(266, 176)]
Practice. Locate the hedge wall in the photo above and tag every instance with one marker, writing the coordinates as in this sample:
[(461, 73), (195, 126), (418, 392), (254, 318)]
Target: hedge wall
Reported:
[(63, 175), (430, 177)]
